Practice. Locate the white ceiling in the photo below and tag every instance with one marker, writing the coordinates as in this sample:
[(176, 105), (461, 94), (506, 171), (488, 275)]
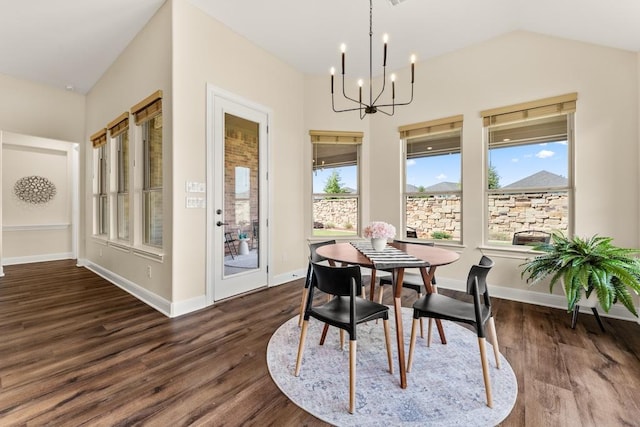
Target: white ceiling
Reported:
[(72, 42)]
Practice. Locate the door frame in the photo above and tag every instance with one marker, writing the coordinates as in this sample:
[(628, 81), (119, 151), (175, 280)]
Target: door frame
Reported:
[(214, 92)]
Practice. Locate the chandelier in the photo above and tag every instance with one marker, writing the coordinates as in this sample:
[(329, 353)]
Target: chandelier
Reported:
[(371, 107)]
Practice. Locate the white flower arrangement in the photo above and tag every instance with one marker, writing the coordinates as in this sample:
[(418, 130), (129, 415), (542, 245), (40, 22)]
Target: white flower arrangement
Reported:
[(379, 229)]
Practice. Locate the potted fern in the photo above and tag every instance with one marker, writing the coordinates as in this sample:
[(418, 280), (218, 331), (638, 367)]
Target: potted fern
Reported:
[(586, 267)]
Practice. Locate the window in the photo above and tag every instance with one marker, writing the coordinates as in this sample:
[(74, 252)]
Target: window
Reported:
[(148, 115), (119, 131), (529, 181), (336, 177), (432, 179), (100, 195)]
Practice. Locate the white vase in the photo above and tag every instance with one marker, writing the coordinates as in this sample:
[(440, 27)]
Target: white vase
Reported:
[(378, 243)]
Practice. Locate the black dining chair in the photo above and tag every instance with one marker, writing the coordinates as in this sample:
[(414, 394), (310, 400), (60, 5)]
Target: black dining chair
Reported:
[(530, 237), (229, 240), (345, 310), (478, 314), (313, 257), (409, 281)]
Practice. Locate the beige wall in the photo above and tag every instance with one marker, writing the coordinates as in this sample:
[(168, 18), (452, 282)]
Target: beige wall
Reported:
[(514, 68), (34, 109), (207, 52), (186, 49), (37, 231), (143, 68)]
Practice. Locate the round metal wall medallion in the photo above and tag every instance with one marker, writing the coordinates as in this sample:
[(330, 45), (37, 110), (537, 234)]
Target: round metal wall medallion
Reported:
[(34, 189)]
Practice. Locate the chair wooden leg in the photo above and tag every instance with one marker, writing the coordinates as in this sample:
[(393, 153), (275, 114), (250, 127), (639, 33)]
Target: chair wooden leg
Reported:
[(387, 340), (494, 341), (380, 294), (352, 376), (429, 332), (341, 339), (421, 322), (305, 292), (303, 337), (485, 371), (412, 344)]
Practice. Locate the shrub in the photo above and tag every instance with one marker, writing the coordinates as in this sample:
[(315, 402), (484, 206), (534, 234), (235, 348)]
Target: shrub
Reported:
[(440, 235)]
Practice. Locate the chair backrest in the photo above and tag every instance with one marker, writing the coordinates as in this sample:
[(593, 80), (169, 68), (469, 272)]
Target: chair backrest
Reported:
[(337, 280), (412, 233), (313, 247), (479, 272), (530, 237), (228, 237), (254, 228), (416, 243)]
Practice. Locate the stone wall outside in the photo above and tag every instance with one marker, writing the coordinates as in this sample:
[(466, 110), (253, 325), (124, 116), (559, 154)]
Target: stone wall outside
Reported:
[(508, 213), (341, 214)]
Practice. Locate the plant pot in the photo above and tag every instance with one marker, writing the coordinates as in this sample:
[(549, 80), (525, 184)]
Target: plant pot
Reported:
[(378, 243), (590, 302)]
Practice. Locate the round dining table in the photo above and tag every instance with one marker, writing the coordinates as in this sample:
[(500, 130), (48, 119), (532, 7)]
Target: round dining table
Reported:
[(346, 253)]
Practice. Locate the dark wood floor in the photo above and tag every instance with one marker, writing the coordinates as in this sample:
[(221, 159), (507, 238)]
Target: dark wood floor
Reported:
[(76, 350)]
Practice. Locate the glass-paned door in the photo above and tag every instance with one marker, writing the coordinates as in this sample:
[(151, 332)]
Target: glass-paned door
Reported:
[(239, 199)]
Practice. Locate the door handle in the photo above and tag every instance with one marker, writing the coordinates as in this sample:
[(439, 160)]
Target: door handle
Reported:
[(220, 223)]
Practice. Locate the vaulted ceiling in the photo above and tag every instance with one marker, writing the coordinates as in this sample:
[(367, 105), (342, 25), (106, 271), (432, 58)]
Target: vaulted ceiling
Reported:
[(72, 42)]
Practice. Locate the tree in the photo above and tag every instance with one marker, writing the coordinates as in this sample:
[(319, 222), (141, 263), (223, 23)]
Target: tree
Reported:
[(333, 185), (494, 178), (421, 188)]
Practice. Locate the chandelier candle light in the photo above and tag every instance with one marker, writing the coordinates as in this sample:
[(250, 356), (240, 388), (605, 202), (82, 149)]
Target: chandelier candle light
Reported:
[(371, 107), (379, 232)]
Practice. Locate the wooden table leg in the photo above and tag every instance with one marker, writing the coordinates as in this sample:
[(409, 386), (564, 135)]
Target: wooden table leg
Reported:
[(372, 287), (398, 276), (427, 277)]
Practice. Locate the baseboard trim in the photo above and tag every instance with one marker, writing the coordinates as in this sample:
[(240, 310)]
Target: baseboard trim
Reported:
[(36, 258), (290, 276), (153, 300), (544, 299)]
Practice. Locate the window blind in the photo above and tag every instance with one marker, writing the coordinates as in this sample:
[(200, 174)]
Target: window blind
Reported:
[(119, 125), (431, 127), (335, 137), (99, 138), (546, 107), (148, 107)]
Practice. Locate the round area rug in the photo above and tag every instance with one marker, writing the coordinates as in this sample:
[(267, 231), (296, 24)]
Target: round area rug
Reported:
[(445, 385)]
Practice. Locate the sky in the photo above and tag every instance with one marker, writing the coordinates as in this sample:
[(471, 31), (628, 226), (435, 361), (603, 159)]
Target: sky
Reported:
[(512, 164)]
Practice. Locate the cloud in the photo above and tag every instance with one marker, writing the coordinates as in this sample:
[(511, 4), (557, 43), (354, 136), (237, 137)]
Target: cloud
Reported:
[(441, 177), (411, 162), (515, 160), (543, 154)]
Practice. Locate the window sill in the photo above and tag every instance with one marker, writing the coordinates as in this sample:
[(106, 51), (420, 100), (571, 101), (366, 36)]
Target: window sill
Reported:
[(100, 239), (120, 245), (509, 252), (148, 252)]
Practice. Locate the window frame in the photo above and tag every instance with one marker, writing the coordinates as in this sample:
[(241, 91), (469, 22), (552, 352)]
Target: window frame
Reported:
[(144, 112), (338, 138), (123, 186), (564, 105), (148, 189), (100, 183), (433, 128)]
